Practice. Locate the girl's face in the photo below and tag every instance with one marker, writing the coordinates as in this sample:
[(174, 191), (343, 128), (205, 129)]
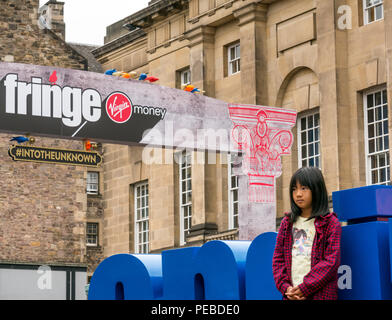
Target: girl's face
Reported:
[(302, 196)]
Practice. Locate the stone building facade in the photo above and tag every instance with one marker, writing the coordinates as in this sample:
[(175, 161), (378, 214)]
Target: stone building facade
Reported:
[(44, 207), (328, 60)]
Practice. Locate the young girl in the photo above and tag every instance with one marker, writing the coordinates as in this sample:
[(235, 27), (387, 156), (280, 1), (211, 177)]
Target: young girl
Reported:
[(307, 252)]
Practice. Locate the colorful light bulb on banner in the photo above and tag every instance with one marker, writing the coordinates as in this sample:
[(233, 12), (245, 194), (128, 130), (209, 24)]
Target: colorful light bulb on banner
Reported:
[(263, 135)]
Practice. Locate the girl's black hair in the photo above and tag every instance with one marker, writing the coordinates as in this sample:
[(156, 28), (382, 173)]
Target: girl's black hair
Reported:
[(312, 178)]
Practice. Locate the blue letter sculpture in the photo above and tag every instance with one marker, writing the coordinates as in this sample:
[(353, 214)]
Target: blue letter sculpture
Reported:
[(239, 270), (366, 241)]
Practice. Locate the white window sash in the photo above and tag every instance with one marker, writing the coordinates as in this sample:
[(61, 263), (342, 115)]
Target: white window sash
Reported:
[(231, 190), (90, 234), (375, 4), (236, 60), (366, 11), (299, 139), (141, 221), (184, 207), (368, 155), (92, 184), (186, 73)]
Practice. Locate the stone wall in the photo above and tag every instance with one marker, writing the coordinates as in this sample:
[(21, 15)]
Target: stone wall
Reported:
[(23, 41), (95, 213), (42, 206)]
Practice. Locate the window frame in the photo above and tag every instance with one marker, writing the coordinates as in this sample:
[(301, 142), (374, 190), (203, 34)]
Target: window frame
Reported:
[(366, 123), (235, 60), (182, 73), (231, 191), (187, 205), (90, 191), (143, 221), (96, 234), (373, 8), (312, 112)]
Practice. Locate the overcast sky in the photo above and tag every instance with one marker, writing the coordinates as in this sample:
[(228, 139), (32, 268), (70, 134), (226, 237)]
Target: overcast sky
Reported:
[(86, 20)]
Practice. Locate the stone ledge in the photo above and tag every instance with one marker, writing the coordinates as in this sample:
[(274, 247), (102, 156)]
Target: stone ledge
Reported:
[(225, 235), (38, 264), (143, 17), (118, 43)]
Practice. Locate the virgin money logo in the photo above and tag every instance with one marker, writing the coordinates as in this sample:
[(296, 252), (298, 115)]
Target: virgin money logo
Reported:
[(119, 107)]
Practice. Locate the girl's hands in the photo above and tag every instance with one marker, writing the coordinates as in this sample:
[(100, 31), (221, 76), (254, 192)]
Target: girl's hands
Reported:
[(294, 293)]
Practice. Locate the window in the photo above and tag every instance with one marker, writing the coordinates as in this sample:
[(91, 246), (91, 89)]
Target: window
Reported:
[(185, 195), (377, 138), (309, 140), (92, 182), (185, 76), (373, 10), (234, 59), (141, 218), (233, 193), (92, 234)]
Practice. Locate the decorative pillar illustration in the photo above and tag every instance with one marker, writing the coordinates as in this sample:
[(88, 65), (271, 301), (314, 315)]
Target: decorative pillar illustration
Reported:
[(263, 135)]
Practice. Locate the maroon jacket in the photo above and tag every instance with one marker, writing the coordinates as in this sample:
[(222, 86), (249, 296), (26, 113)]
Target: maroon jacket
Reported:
[(321, 281)]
